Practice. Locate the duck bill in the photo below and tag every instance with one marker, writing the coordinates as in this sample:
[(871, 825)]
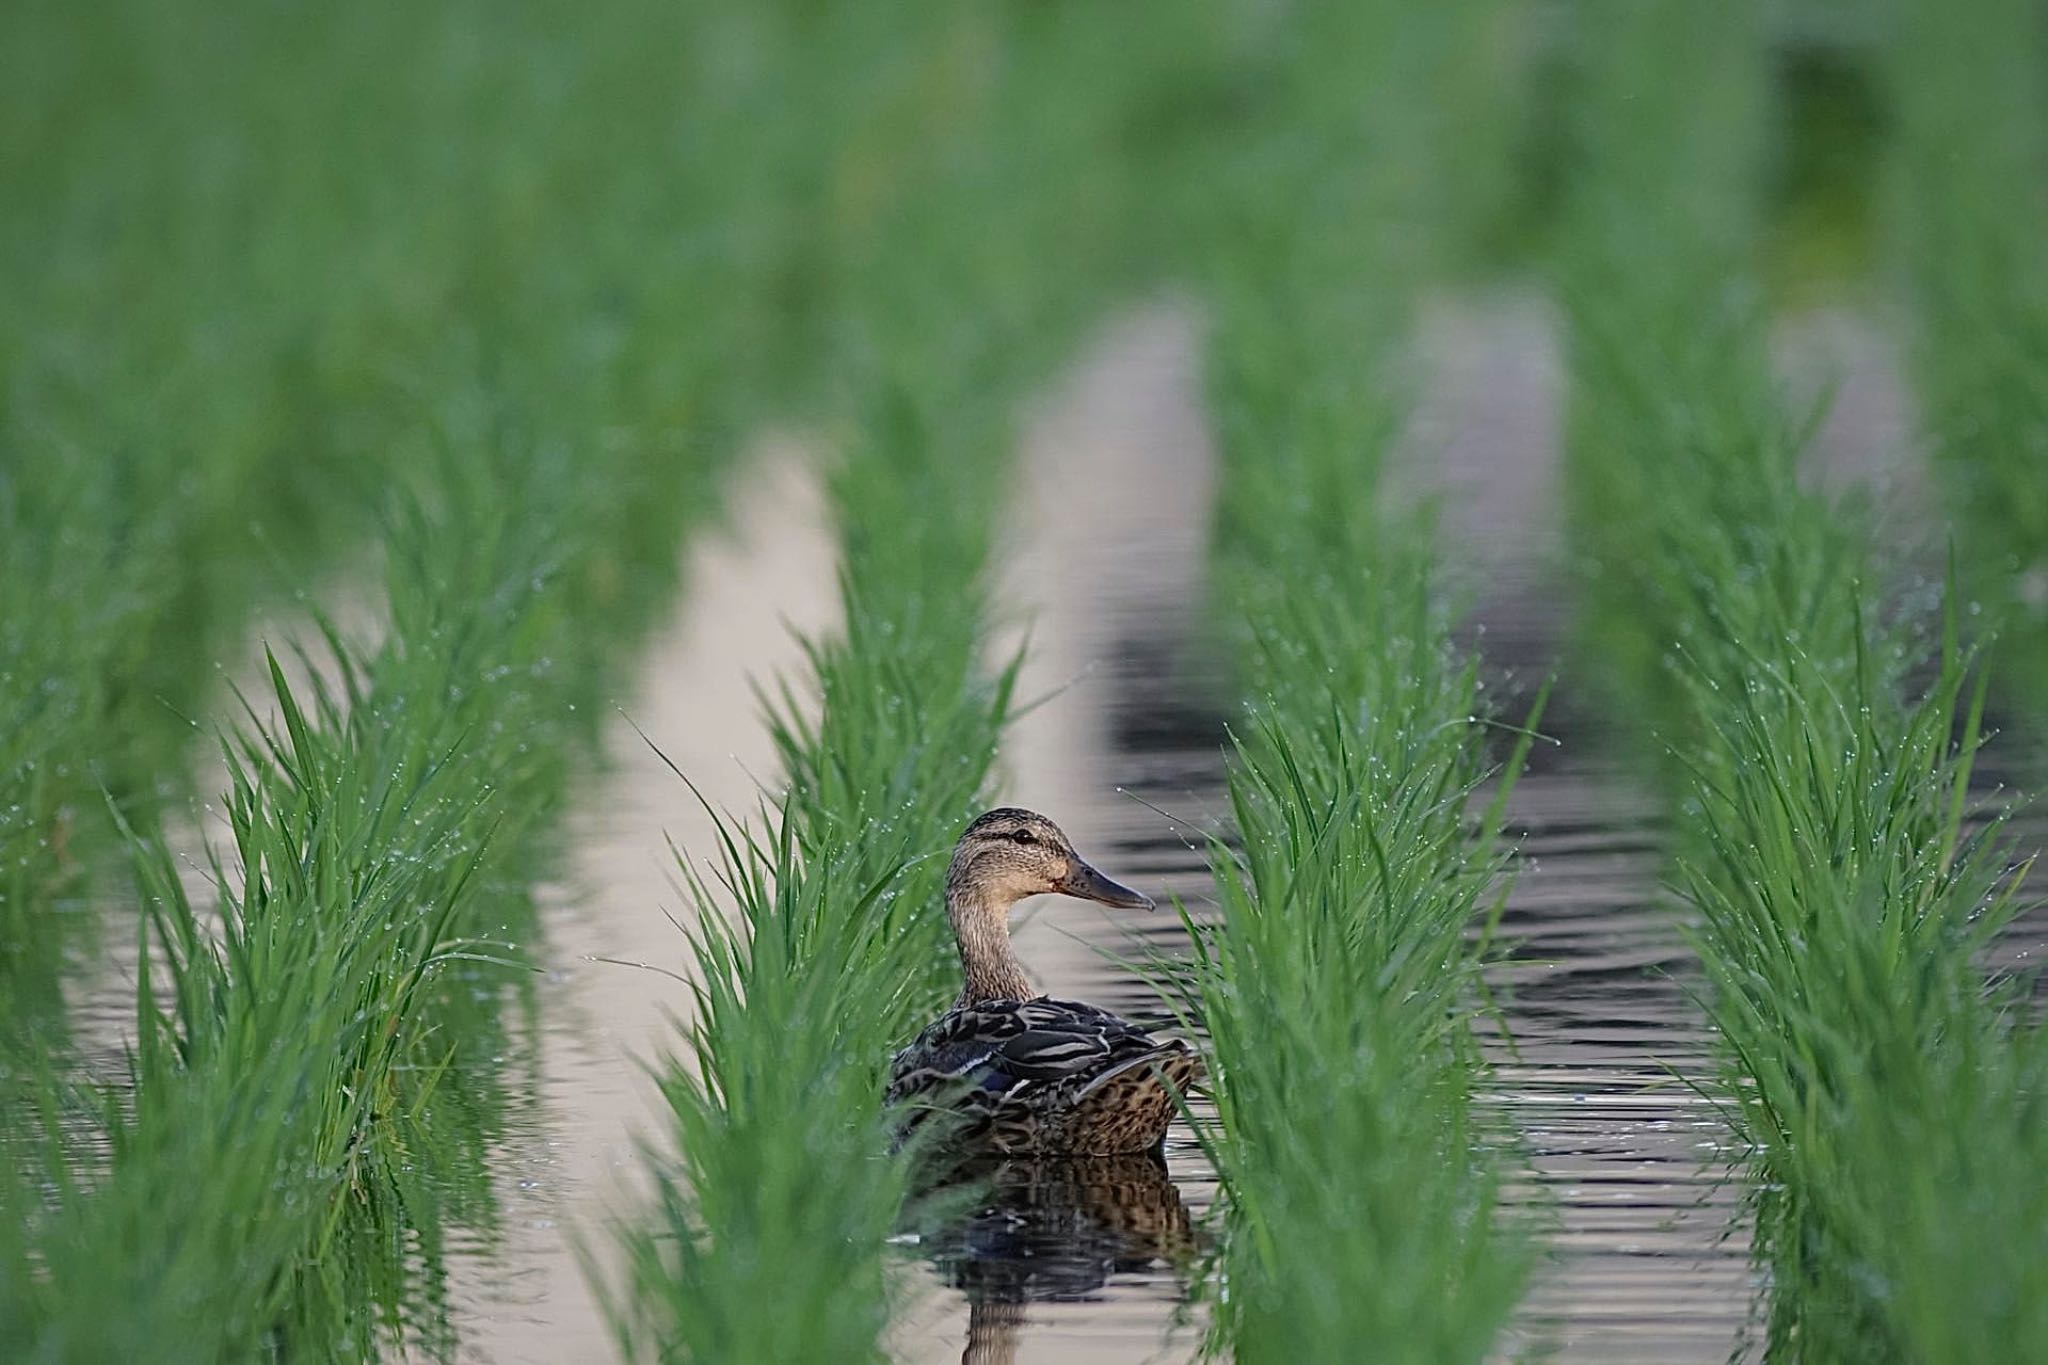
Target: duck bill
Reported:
[(1084, 881)]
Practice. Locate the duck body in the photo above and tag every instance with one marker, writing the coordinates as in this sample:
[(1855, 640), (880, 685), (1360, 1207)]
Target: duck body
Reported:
[(1042, 1077), (1008, 1071)]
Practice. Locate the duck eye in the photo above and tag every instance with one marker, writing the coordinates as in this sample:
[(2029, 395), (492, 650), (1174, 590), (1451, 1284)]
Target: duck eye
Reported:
[(1023, 836)]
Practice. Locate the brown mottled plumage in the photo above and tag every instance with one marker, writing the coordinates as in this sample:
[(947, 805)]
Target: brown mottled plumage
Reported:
[(1015, 1072)]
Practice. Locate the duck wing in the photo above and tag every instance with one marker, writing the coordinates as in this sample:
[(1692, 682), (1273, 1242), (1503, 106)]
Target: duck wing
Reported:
[(983, 1055)]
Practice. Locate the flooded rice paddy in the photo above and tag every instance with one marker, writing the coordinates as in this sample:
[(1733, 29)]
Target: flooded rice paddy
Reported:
[(1605, 1070), (1603, 1065), (453, 345)]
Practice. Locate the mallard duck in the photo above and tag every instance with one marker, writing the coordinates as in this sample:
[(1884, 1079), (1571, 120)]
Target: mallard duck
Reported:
[(1018, 1072)]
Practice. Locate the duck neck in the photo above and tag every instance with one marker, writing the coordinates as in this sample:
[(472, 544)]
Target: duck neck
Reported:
[(981, 926)]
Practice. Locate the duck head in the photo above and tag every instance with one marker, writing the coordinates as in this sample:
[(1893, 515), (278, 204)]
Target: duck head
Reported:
[(1010, 853)]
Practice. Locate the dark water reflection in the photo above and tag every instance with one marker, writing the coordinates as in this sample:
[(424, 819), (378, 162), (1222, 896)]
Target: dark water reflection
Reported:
[(1055, 1230)]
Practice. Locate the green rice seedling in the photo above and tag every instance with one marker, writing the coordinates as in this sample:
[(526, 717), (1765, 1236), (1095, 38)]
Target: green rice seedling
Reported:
[(307, 1110), (781, 1187), (829, 955), (312, 1099), (1969, 155), (315, 1082), (1662, 212), (271, 1098), (169, 448), (154, 375), (121, 575), (819, 948), (519, 274), (532, 330), (1843, 904), (236, 299), (1337, 983), (1845, 913), (1336, 987), (1362, 1192)]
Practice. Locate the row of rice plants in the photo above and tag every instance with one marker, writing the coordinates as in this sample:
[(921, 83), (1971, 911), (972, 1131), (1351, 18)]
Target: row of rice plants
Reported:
[(1891, 1094), (816, 950), (139, 510), (313, 1083), (1970, 86), (994, 191), (1338, 982), (155, 376), (231, 297), (308, 1090), (99, 654), (173, 452)]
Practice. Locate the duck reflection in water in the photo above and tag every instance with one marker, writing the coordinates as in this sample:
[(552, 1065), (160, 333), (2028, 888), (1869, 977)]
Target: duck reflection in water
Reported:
[(1051, 1229)]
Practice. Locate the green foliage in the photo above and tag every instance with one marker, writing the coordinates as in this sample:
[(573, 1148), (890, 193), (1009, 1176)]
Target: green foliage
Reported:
[(821, 946), (1970, 84), (510, 275), (316, 1070), (819, 950), (1846, 908), (262, 264), (1890, 1093), (460, 266), (1666, 115), (308, 1102), (1336, 986)]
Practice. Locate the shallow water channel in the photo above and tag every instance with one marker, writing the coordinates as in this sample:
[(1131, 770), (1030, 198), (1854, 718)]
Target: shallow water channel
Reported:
[(1607, 1076)]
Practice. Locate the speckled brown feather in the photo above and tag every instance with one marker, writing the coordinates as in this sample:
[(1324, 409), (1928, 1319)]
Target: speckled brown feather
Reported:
[(1129, 1109), (1042, 1076)]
